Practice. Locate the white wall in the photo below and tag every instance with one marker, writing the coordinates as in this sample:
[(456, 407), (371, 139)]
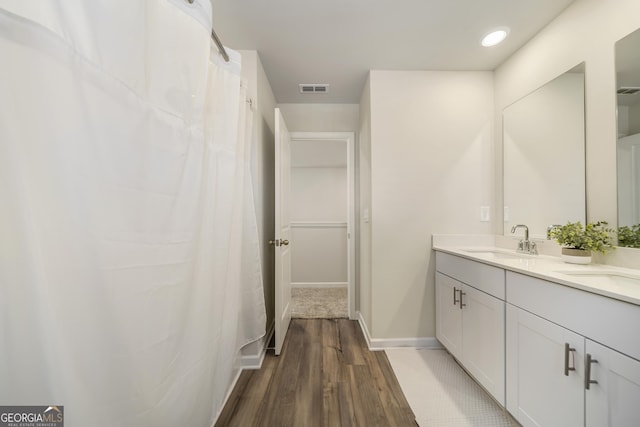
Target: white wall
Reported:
[(320, 117), (628, 119), (586, 31), (363, 184), (319, 194), (262, 172), (432, 167), (634, 119), (265, 141), (319, 257), (628, 191), (319, 250)]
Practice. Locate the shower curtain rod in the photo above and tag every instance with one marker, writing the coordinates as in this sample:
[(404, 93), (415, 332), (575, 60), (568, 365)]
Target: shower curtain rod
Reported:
[(218, 43)]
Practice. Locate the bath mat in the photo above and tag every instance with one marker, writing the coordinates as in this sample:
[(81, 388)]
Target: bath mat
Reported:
[(319, 303)]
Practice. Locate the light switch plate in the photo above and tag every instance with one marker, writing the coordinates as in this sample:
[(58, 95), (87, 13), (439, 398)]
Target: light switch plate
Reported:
[(485, 215)]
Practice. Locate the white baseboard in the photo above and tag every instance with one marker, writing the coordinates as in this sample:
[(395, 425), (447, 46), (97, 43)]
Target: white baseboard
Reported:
[(319, 284), (363, 327), (254, 361), (422, 342), (375, 344)]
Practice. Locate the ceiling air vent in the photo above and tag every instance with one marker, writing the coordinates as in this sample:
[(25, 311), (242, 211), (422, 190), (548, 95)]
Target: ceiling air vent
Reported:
[(628, 90), (314, 88)]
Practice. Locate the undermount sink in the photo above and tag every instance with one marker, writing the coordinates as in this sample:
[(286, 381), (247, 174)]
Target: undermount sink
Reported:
[(496, 254), (604, 277)]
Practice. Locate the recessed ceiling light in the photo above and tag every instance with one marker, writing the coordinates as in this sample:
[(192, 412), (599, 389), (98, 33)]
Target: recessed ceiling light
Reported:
[(495, 37)]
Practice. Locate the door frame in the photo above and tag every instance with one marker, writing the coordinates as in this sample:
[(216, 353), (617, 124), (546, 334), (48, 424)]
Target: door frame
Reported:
[(349, 139)]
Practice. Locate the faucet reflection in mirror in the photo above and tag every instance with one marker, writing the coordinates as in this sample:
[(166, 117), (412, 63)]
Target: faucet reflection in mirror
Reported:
[(628, 146), (544, 155)]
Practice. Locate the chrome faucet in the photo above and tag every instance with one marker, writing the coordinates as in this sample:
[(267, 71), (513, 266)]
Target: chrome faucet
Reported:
[(526, 230), (525, 245)]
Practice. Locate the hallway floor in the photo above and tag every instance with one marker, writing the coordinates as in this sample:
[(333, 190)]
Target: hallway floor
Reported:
[(325, 376)]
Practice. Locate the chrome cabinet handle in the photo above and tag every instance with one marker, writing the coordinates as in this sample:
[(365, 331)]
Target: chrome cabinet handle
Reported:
[(587, 372), (461, 303), (455, 291), (567, 350)]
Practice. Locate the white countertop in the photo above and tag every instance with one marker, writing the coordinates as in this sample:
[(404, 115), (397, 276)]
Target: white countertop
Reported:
[(614, 282)]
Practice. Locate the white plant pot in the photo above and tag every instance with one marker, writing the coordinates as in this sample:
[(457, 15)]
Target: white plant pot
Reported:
[(576, 256)]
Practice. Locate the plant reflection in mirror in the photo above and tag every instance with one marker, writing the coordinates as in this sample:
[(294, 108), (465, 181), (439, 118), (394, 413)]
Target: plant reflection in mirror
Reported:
[(629, 236)]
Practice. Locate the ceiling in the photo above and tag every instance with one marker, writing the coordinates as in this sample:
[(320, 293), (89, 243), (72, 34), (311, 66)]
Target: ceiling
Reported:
[(339, 41)]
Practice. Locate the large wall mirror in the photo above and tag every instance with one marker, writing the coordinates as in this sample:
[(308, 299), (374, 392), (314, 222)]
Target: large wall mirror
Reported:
[(544, 155), (628, 145)]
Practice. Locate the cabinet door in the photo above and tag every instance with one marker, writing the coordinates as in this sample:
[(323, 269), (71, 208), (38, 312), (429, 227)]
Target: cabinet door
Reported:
[(538, 391), (448, 314), (614, 400), (483, 340)]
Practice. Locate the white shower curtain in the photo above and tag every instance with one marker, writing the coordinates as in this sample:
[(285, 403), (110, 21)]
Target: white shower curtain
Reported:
[(129, 261)]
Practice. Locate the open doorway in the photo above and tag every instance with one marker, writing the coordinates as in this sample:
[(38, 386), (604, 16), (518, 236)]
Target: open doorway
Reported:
[(322, 213)]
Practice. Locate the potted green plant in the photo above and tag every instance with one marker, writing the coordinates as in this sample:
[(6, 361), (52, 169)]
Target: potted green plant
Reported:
[(629, 236), (579, 241)]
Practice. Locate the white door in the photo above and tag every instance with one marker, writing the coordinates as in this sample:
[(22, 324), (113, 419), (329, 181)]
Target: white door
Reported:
[(541, 391), (448, 314), (483, 339), (283, 230), (613, 400)]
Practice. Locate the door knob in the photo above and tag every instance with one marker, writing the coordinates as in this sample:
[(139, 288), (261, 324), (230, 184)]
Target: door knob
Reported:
[(274, 242), (284, 242)]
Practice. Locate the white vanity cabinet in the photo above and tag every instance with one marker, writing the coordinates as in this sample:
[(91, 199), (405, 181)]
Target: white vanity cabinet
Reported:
[(544, 371), (571, 356), (470, 318), (614, 400)]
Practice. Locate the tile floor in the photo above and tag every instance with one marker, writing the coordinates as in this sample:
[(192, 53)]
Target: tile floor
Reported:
[(441, 393)]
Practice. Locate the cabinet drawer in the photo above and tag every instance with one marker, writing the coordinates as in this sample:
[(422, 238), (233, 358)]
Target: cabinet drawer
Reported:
[(605, 320), (481, 276)]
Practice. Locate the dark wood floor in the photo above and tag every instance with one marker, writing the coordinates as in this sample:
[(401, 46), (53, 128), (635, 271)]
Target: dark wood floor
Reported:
[(326, 376)]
